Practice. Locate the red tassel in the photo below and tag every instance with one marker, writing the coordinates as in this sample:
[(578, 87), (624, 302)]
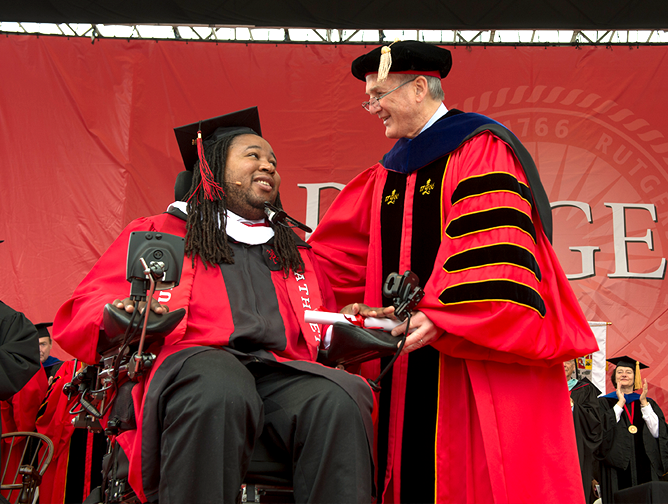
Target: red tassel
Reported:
[(212, 190)]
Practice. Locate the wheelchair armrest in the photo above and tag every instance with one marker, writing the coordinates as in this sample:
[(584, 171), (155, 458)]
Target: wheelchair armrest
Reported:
[(116, 322), (351, 344)]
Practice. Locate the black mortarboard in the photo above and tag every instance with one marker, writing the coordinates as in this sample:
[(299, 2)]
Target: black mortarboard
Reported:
[(42, 329), (626, 361), (409, 56), (234, 123)]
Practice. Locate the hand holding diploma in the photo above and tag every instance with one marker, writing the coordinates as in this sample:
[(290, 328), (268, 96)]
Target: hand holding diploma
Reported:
[(353, 317)]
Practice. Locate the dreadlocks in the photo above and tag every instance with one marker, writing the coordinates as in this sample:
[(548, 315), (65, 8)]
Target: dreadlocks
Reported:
[(205, 227)]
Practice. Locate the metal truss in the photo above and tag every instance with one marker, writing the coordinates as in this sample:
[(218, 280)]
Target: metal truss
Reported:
[(217, 33)]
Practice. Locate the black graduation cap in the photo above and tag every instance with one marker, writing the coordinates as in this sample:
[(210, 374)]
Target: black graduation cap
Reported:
[(42, 329), (234, 123), (626, 361), (409, 56)]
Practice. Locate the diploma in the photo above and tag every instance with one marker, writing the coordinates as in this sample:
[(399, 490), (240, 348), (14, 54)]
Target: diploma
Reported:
[(321, 317)]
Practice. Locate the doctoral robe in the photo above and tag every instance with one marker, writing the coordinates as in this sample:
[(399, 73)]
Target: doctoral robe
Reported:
[(77, 457), (481, 415), (630, 459), (224, 308)]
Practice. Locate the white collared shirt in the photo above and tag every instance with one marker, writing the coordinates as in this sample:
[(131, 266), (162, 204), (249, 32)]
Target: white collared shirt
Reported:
[(236, 228), (440, 112)]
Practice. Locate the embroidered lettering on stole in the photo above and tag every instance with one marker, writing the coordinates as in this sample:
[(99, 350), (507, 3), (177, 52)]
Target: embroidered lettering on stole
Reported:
[(304, 293)]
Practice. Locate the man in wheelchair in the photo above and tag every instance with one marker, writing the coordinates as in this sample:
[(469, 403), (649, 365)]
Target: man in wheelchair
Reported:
[(241, 362)]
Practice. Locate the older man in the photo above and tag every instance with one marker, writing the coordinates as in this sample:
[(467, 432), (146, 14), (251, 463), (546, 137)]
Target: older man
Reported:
[(49, 363), (476, 409)]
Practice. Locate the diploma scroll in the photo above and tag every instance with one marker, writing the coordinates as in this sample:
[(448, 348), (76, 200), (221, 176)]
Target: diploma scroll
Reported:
[(321, 317)]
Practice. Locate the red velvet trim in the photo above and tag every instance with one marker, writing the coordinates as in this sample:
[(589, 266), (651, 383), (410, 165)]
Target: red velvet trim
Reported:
[(88, 466)]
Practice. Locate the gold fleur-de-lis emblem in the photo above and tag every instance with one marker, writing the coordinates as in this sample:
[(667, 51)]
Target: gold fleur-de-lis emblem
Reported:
[(427, 187), (390, 199)]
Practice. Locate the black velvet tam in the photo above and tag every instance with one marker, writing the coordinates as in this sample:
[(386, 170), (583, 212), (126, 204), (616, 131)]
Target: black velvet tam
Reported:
[(407, 56)]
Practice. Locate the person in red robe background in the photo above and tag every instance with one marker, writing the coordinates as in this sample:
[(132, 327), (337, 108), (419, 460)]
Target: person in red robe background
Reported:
[(475, 410), (76, 467)]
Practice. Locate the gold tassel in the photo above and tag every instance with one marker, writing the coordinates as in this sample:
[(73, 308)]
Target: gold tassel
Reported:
[(637, 384), (385, 62)]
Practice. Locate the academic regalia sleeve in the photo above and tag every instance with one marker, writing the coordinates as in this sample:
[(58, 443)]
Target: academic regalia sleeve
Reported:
[(326, 292), (76, 326), (657, 449), (19, 351), (586, 414), (497, 289), (341, 240), (24, 405)]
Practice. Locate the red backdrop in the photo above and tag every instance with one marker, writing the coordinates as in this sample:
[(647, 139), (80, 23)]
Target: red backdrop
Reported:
[(87, 145)]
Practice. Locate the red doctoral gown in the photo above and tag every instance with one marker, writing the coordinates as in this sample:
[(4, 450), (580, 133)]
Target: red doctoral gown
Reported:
[(491, 397)]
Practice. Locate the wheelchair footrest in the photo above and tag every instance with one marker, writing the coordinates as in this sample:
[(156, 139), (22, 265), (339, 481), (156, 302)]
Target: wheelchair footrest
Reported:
[(251, 492)]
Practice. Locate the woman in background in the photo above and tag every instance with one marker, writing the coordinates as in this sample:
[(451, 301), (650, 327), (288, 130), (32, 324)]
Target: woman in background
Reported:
[(634, 448)]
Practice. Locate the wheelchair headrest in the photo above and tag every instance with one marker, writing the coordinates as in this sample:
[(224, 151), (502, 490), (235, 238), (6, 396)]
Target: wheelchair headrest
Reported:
[(182, 185)]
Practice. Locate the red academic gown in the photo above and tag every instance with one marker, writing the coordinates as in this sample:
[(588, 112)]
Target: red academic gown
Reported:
[(208, 321), (503, 426)]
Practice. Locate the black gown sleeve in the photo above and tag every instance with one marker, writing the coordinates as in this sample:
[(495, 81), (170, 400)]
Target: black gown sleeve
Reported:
[(587, 415), (19, 351), (588, 430), (657, 448)]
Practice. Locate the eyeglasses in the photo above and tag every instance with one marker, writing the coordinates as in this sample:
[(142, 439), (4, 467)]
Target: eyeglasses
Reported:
[(375, 101)]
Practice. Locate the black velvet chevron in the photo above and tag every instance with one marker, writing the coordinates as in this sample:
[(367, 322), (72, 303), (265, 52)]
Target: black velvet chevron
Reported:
[(493, 290), (506, 253), (490, 182), (490, 219)]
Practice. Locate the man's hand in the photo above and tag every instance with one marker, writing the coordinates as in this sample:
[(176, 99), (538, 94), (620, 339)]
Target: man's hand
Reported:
[(367, 311), (421, 332), (129, 306)]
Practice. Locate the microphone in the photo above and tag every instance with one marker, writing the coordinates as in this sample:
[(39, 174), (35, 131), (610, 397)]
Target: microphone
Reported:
[(277, 216)]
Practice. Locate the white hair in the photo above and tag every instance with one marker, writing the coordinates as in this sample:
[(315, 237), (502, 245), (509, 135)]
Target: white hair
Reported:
[(433, 83)]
